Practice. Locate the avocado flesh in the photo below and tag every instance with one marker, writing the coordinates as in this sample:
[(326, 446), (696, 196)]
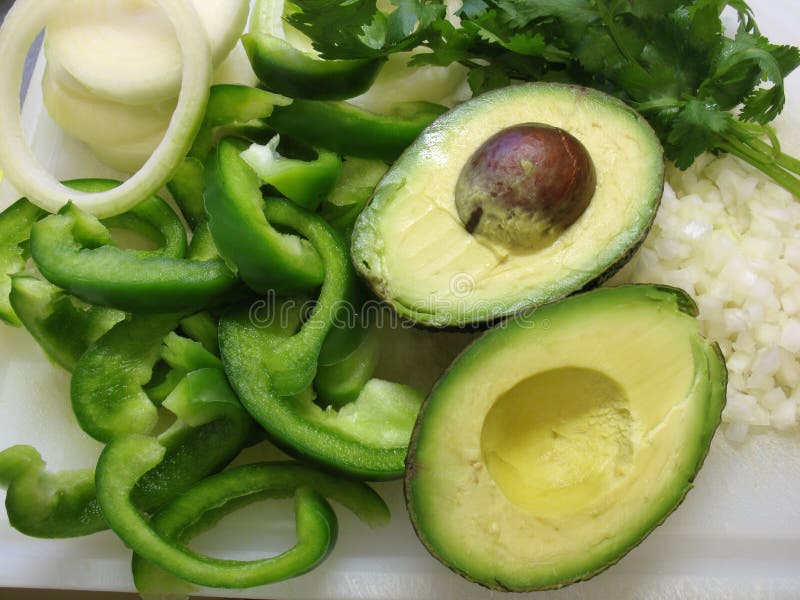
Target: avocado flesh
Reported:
[(415, 252), (556, 443)]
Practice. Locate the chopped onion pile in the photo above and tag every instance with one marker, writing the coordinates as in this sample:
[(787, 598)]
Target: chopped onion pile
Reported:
[(731, 238)]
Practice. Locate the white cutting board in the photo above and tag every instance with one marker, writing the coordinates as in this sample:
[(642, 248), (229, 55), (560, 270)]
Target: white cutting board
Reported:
[(737, 535)]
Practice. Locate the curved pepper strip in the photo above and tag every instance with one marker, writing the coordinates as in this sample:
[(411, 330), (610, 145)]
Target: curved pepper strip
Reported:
[(368, 440), (203, 328), (72, 250), (284, 69), (179, 356), (291, 362), (16, 222), (107, 388), (265, 258), (352, 131), (306, 183), (207, 502), (63, 326), (212, 428), (228, 104), (341, 382), (125, 460)]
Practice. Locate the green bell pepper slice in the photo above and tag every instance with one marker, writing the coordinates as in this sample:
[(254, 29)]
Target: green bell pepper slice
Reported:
[(265, 258), (207, 502), (284, 69), (351, 131), (179, 356), (227, 105), (210, 431), (186, 188), (63, 325), (16, 222), (204, 328), (306, 183), (125, 460), (340, 383), (107, 389), (291, 361), (72, 250), (367, 439)]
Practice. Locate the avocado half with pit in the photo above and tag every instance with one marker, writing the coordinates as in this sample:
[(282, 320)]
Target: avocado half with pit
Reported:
[(513, 199), (558, 441)]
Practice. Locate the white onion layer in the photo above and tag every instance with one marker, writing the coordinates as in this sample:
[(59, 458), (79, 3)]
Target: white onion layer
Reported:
[(21, 26)]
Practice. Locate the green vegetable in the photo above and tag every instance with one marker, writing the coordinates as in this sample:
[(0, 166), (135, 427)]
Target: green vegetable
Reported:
[(284, 69), (206, 503), (228, 105), (265, 258), (74, 250), (341, 382), (668, 59), (179, 356), (352, 131), (16, 222), (63, 325), (210, 430), (107, 389), (305, 183), (290, 361), (125, 460), (366, 439)]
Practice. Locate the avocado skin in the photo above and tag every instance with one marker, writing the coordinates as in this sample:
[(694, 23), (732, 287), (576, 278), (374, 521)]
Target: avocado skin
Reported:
[(366, 230), (718, 378)]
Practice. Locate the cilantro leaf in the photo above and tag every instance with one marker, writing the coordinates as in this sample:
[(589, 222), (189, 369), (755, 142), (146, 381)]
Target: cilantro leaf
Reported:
[(693, 130), (670, 59)]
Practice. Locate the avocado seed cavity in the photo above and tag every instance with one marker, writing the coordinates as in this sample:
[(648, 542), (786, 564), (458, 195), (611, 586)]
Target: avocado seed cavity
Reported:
[(525, 185)]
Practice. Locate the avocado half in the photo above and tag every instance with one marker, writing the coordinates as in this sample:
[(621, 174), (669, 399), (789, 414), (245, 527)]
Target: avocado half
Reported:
[(557, 442), (416, 253)]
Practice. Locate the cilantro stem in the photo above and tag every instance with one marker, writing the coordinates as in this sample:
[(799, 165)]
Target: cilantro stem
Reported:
[(750, 134), (782, 177), (786, 161)]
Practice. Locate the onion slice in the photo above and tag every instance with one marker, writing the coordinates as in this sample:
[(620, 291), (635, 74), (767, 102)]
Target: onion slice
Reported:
[(21, 26)]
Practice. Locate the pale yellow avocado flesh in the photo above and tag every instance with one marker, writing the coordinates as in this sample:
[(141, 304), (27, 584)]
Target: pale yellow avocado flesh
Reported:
[(414, 250), (548, 451)]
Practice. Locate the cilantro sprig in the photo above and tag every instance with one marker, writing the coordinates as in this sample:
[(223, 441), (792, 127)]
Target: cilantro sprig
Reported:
[(701, 88)]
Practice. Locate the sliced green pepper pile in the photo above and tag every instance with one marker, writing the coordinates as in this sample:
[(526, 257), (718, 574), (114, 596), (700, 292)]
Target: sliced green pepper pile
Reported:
[(246, 325)]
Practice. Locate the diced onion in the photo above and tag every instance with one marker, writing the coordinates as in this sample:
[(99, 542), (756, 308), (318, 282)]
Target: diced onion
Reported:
[(729, 236), (21, 26)]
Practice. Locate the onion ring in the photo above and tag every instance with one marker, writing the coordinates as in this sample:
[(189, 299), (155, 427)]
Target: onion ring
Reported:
[(21, 26)]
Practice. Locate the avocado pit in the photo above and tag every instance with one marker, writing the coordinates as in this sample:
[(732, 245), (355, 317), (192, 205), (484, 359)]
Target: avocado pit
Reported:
[(525, 185)]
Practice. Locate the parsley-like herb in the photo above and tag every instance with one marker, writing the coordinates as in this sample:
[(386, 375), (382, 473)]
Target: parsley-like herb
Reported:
[(669, 59)]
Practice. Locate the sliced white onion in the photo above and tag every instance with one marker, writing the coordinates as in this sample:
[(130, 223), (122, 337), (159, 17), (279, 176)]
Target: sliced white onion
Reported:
[(125, 50), (20, 28), (127, 158), (236, 69), (97, 120)]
